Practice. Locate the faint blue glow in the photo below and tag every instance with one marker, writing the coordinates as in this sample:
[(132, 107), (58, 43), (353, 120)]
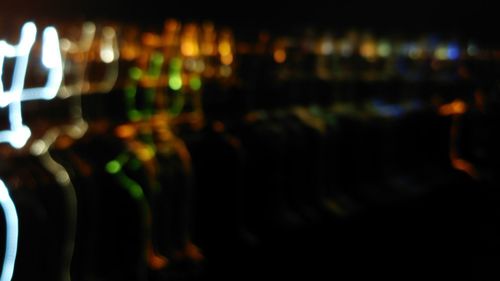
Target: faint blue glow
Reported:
[(404, 49), (387, 110), (12, 231), (414, 51), (414, 104), (453, 51)]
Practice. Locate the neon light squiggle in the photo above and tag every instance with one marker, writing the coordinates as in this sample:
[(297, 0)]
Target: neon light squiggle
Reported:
[(51, 59), (12, 233), (78, 126), (18, 134)]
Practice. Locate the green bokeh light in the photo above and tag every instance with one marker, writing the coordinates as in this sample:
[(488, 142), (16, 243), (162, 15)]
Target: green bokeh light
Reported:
[(175, 82)]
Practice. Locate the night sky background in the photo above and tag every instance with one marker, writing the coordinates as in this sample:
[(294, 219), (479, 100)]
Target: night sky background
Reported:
[(476, 19)]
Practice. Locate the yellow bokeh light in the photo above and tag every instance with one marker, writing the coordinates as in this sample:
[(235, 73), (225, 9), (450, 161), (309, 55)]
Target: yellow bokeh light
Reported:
[(224, 48), (368, 49), (189, 48)]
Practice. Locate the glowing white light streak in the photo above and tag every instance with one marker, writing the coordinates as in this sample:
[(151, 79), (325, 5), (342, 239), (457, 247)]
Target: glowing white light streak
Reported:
[(18, 134), (77, 128), (21, 52), (11, 221), (109, 54), (51, 59)]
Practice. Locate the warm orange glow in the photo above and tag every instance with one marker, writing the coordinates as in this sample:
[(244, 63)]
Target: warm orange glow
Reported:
[(235, 142), (218, 126), (128, 52), (189, 48), (193, 252), (145, 153), (208, 45), (279, 56), (243, 48), (170, 33), (227, 59), (252, 117), (210, 71), (171, 25), (224, 48), (64, 141), (156, 261), (368, 49), (151, 39), (479, 100), (84, 167), (125, 131), (189, 41), (456, 107), (456, 161), (464, 166), (208, 48)]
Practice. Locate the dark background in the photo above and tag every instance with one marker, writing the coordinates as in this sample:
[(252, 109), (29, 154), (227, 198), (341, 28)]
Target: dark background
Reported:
[(440, 223), (471, 19)]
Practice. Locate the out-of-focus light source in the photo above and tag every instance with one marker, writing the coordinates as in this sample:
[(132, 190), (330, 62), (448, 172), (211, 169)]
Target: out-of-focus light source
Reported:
[(135, 73), (189, 48), (208, 45), (108, 52), (472, 50), (113, 167), (175, 82), (346, 48), (326, 46), (279, 56), (441, 52), (195, 83), (225, 71), (453, 51), (384, 49), (368, 49), (456, 107), (224, 48), (189, 41), (12, 229), (18, 134), (176, 64), (227, 59), (415, 52), (107, 55), (151, 39)]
